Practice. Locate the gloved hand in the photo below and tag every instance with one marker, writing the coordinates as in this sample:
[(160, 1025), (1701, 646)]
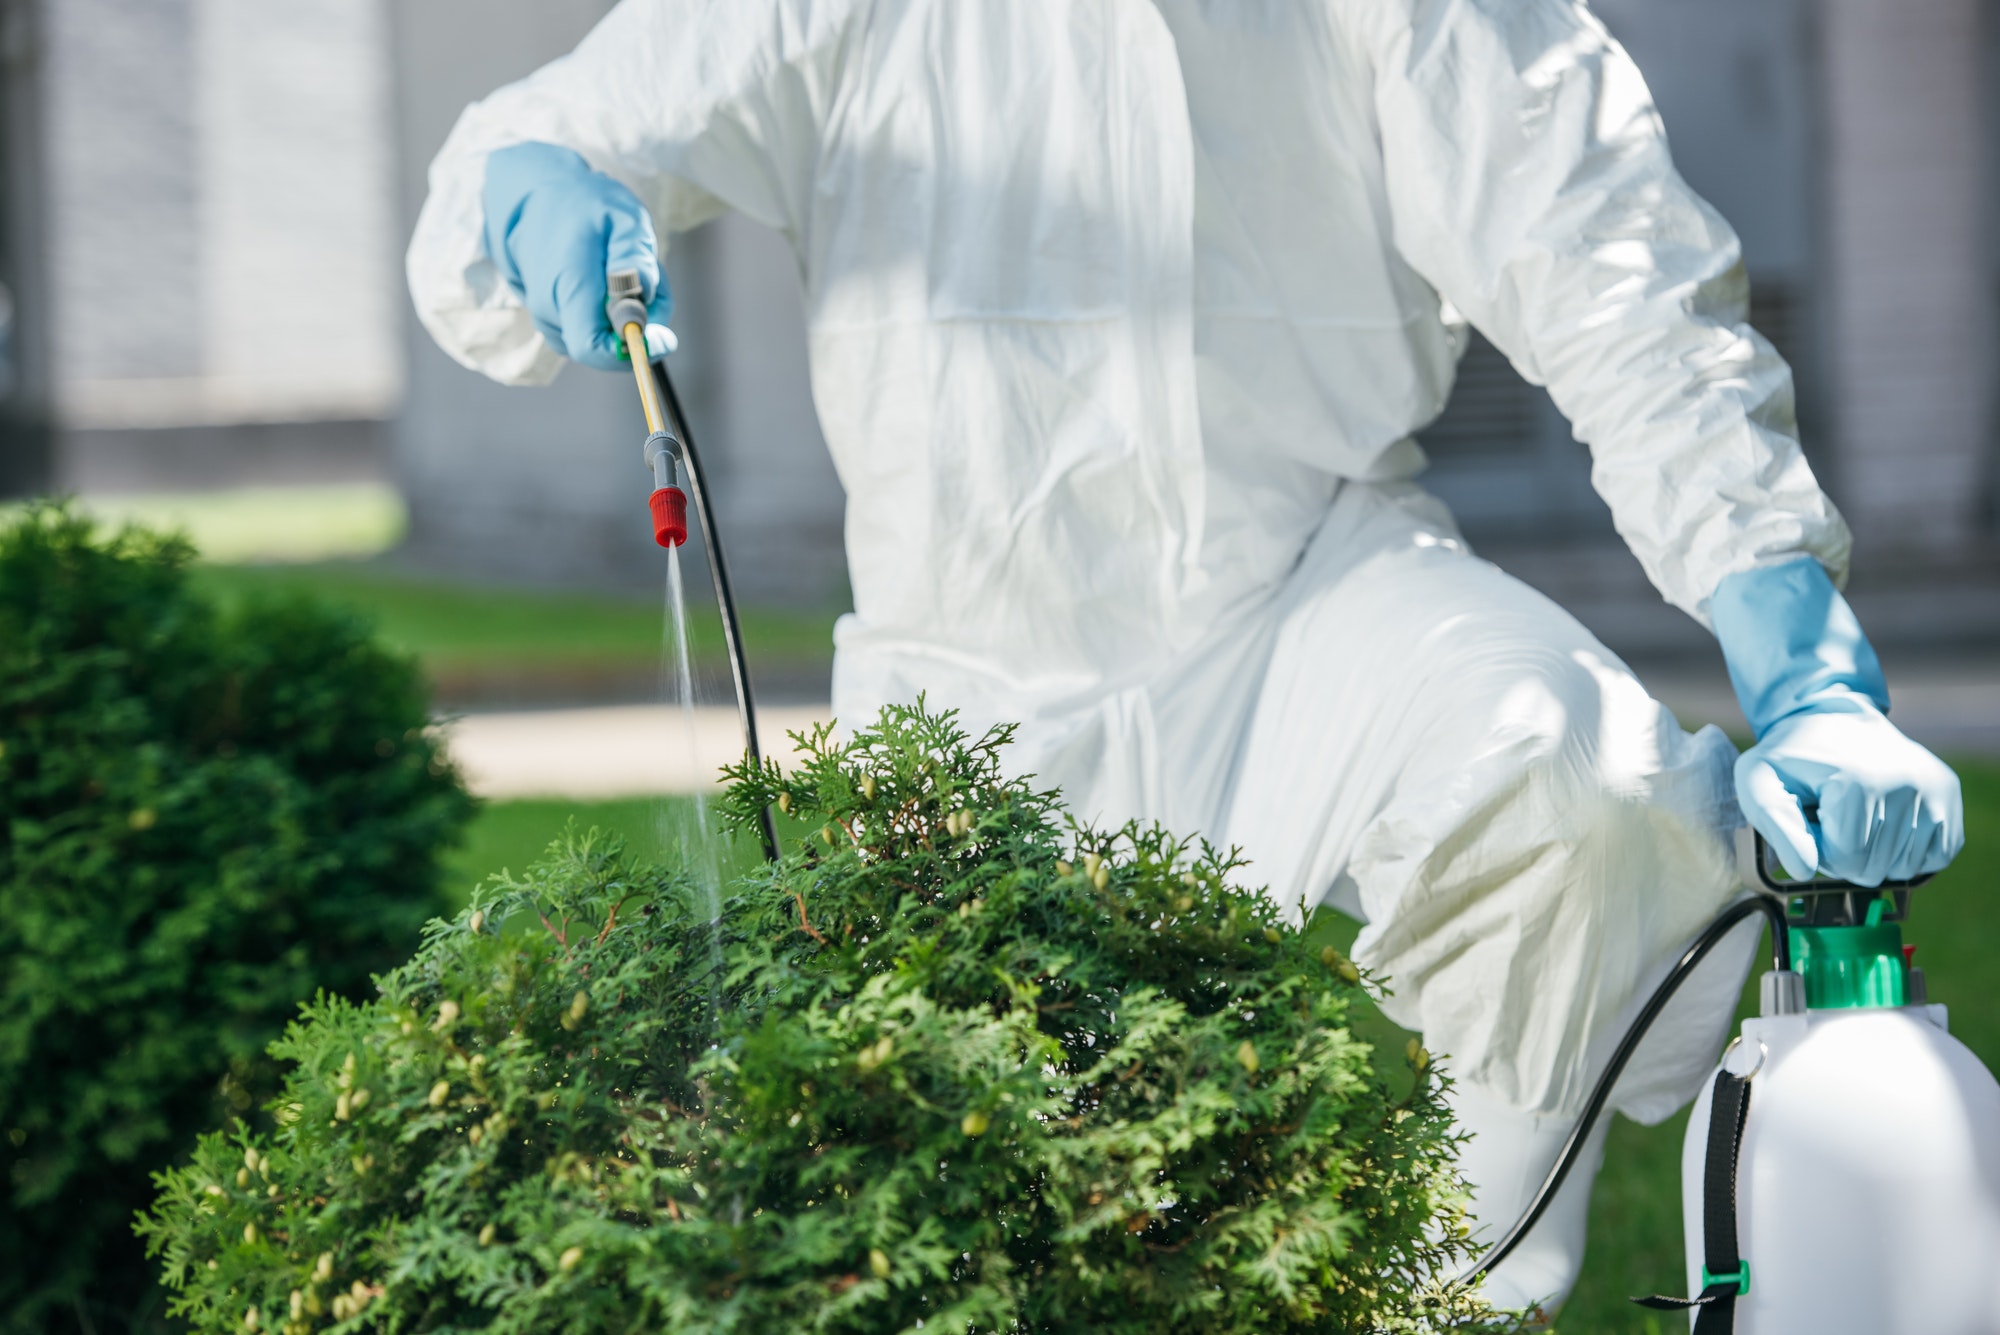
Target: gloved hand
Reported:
[(1832, 784), (555, 229)]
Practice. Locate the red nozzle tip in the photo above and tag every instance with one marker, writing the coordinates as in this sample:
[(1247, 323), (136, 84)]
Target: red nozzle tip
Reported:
[(670, 516)]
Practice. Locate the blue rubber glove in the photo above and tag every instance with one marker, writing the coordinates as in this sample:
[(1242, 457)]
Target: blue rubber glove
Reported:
[(1810, 684), (555, 229)]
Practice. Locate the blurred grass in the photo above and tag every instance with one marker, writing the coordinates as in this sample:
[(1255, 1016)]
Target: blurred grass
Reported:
[(1635, 1213), (304, 523), (322, 540), (455, 628), (512, 836)]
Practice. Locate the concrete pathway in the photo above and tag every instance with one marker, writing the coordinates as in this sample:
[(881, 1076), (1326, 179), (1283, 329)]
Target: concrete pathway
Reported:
[(639, 750), (611, 750)]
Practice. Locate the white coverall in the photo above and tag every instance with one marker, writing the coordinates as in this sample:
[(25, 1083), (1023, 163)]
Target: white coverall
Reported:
[(1122, 315)]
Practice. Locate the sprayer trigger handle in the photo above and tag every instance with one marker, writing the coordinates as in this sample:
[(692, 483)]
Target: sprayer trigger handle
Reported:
[(1757, 864)]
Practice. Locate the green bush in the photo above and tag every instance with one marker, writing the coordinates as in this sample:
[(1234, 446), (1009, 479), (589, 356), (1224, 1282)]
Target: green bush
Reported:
[(208, 818), (949, 1065)]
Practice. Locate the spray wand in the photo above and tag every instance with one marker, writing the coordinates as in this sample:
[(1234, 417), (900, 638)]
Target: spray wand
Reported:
[(669, 444), (664, 450)]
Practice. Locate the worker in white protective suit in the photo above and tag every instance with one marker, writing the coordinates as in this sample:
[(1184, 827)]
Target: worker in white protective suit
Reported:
[(1123, 314)]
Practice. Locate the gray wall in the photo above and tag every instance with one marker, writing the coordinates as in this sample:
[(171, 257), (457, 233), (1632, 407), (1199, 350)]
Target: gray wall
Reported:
[(1734, 83), (1909, 239), (215, 187), (124, 189)]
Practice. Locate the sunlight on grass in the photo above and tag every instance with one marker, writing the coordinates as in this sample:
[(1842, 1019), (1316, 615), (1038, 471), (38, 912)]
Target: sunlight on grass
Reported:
[(454, 626), (321, 541), (288, 524), (512, 836), (445, 622)]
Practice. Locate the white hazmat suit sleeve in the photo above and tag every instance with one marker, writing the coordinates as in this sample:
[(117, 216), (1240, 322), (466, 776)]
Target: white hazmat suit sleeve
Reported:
[(697, 105), (1529, 181)]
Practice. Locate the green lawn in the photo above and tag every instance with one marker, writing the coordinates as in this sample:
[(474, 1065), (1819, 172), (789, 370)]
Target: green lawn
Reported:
[(459, 629), (1635, 1220), (296, 523), (332, 541), (510, 835)]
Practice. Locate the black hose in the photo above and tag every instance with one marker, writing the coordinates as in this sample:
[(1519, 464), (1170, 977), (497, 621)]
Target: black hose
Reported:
[(725, 596), (1600, 1093)]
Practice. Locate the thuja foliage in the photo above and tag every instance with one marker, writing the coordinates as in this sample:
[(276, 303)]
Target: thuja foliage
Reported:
[(951, 1064), (208, 816)]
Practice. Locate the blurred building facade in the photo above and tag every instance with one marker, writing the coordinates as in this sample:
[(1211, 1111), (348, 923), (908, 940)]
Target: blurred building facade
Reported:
[(220, 296), (223, 151)]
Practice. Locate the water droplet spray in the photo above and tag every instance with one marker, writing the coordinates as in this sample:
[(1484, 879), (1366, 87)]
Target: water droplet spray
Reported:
[(684, 826)]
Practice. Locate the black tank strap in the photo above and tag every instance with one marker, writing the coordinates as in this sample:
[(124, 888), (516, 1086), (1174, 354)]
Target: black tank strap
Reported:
[(1725, 1275)]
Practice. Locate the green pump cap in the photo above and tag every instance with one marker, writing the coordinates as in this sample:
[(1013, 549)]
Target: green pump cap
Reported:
[(1851, 966)]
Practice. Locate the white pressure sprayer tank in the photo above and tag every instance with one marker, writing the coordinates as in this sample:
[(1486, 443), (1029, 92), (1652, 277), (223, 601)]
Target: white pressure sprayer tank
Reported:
[(1863, 1196)]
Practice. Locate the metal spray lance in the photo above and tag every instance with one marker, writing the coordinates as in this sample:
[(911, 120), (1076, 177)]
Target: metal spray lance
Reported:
[(627, 309), (666, 452)]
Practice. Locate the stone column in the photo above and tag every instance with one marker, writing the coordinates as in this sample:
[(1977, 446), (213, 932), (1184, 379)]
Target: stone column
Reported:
[(1910, 350)]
